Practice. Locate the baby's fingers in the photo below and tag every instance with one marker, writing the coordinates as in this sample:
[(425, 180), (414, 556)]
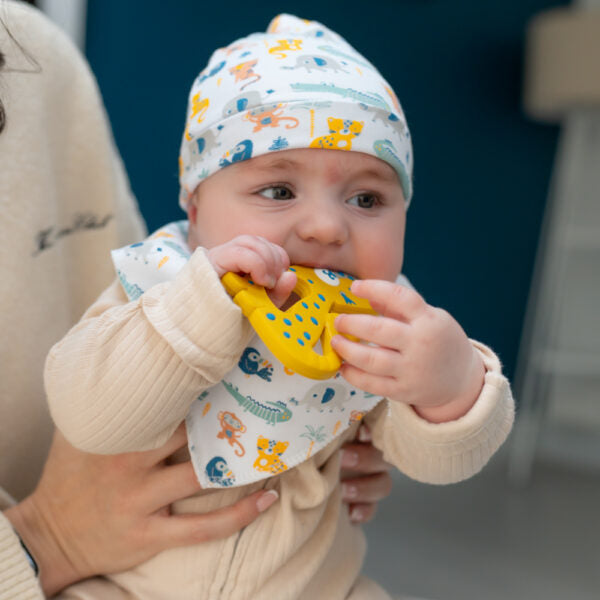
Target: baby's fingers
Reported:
[(375, 384), (283, 288), (377, 361), (252, 255), (383, 331), (390, 299), (263, 261)]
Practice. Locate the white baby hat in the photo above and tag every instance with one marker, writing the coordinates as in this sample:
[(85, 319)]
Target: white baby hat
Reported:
[(298, 85)]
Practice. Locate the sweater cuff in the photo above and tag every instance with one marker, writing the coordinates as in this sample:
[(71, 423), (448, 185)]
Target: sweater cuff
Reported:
[(17, 579), (455, 450), (198, 319)]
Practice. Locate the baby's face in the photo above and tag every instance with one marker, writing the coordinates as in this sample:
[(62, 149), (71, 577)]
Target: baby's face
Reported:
[(327, 208)]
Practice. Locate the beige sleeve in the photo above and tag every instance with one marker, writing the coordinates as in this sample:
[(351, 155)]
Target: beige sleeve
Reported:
[(17, 579), (447, 452), (125, 376)]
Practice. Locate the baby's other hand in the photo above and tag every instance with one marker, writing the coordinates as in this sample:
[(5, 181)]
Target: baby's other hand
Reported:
[(265, 262), (417, 353)]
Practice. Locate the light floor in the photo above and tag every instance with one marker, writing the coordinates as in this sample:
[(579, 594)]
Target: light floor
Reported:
[(483, 540)]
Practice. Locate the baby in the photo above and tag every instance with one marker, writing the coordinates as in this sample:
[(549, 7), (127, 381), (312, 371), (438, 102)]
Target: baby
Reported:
[(295, 152)]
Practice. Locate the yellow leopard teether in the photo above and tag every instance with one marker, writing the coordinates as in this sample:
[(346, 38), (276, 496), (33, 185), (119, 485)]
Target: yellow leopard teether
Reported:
[(292, 334)]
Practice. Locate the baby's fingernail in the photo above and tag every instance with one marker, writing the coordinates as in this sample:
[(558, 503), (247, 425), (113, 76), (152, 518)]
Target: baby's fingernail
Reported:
[(349, 459), (357, 514), (272, 282), (349, 491), (266, 500)]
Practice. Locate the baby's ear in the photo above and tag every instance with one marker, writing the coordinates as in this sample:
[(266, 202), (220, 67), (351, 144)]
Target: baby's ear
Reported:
[(192, 208)]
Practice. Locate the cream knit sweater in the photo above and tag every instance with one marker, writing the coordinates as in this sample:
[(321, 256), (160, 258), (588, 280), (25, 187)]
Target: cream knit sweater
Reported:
[(125, 377), (64, 202)]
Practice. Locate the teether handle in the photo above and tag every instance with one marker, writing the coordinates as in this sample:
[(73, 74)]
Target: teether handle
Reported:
[(292, 334)]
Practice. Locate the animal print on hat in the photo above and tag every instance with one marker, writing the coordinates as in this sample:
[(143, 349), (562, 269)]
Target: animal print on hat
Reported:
[(299, 85)]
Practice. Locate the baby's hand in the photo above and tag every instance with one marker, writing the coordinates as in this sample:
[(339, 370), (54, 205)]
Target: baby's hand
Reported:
[(265, 262), (420, 354)]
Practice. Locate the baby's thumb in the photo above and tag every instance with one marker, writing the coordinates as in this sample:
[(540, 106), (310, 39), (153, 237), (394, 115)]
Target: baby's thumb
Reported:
[(283, 288)]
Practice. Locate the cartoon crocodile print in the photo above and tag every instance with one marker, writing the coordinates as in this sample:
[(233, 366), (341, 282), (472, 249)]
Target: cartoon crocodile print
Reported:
[(181, 251), (385, 150), (132, 290), (271, 412), (371, 99), (354, 59)]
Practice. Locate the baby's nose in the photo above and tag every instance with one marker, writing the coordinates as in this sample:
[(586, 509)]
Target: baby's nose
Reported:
[(323, 224)]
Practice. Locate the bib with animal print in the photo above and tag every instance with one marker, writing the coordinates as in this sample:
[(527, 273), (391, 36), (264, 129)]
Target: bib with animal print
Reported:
[(261, 419)]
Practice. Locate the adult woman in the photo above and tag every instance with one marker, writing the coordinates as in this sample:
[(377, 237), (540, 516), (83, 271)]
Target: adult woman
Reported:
[(65, 203)]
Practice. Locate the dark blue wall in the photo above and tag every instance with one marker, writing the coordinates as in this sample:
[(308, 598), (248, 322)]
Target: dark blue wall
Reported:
[(481, 168)]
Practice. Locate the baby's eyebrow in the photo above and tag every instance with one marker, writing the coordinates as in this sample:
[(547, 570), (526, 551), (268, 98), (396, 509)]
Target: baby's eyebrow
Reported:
[(277, 164), (387, 175), (384, 173)]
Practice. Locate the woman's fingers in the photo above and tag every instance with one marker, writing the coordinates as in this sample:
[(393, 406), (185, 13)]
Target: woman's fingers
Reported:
[(169, 484), (365, 477), (362, 513), (185, 530), (175, 442), (367, 489), (363, 458)]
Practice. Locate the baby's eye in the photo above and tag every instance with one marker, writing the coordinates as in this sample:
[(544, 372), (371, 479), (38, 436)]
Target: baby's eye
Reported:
[(364, 200), (277, 192)]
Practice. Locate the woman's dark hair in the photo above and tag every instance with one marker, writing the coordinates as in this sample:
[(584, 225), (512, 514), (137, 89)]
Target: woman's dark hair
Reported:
[(36, 67), (2, 113)]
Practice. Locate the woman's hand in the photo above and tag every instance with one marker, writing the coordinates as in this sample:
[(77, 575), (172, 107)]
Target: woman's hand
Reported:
[(93, 514), (365, 477)]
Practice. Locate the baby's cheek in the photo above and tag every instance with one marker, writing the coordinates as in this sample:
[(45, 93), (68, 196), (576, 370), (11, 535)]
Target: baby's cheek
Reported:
[(384, 262), (381, 251)]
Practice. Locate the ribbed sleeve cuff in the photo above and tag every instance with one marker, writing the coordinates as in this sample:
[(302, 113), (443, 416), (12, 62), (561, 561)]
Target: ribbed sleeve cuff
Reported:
[(196, 316), (17, 579), (450, 452)]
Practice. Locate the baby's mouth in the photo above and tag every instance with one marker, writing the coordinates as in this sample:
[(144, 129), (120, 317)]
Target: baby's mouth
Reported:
[(293, 297), (324, 267)]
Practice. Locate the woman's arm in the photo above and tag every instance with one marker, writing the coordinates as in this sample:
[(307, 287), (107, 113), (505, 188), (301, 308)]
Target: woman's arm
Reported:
[(92, 514)]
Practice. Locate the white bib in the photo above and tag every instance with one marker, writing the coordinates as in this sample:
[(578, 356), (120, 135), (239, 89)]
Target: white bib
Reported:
[(261, 419)]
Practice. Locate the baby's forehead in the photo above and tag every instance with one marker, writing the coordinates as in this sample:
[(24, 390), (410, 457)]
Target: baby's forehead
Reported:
[(307, 161)]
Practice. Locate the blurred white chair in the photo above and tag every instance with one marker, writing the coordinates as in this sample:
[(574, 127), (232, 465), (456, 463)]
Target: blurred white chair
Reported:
[(560, 346)]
